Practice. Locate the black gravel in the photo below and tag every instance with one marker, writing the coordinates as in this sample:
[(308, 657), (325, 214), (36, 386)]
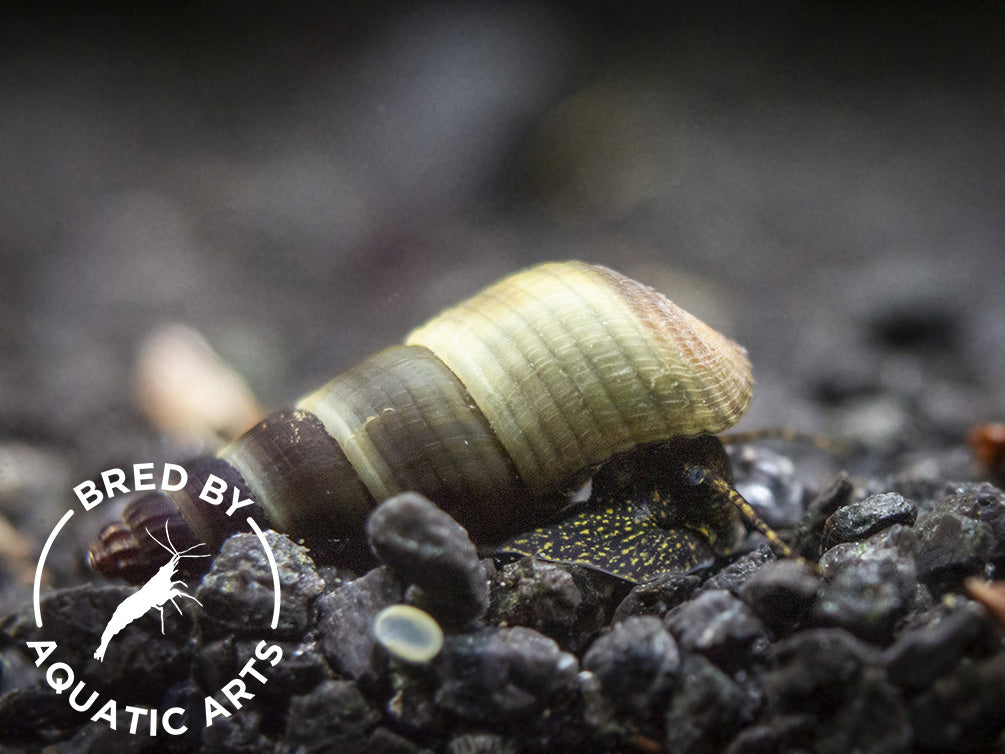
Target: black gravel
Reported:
[(873, 648), (305, 185)]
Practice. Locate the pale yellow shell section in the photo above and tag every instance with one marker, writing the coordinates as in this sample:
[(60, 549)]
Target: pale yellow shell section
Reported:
[(571, 363)]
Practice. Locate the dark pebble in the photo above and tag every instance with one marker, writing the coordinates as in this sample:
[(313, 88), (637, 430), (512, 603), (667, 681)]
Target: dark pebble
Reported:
[(866, 517), (36, 715), (814, 671), (301, 668), (217, 662), (769, 482), (707, 709), (635, 665), (951, 546), (506, 676), (988, 505), (237, 733), (809, 534), (777, 733), (100, 739), (74, 619), (237, 594), (345, 619), (564, 602), (963, 710), (867, 597), (719, 626), (427, 548), (384, 741), (735, 575), (411, 707), (140, 662), (190, 697), (873, 718), (781, 593), (482, 743), (923, 653), (333, 716), (657, 597)]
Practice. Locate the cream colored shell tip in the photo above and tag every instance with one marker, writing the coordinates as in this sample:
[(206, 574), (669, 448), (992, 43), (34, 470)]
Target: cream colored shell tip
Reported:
[(408, 633)]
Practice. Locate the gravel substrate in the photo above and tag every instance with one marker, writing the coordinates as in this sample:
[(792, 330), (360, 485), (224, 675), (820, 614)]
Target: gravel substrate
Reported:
[(867, 643), (301, 184)]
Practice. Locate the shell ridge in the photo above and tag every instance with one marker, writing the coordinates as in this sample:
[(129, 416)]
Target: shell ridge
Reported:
[(557, 363), (546, 438), (597, 373)]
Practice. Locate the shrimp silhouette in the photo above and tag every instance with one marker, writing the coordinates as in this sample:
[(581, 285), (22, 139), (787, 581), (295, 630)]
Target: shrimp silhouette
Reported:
[(160, 588)]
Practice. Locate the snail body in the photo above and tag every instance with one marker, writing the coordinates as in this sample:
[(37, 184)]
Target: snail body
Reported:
[(496, 409)]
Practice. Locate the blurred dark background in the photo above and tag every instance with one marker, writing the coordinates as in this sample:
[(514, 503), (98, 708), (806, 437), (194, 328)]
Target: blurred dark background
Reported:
[(304, 183)]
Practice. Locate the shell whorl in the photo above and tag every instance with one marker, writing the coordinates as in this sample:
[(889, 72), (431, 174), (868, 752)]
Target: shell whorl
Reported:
[(571, 363)]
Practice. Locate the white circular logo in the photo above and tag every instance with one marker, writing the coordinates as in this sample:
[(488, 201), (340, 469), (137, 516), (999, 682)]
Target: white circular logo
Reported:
[(160, 590)]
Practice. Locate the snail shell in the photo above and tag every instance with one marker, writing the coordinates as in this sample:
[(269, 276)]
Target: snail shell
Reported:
[(497, 409)]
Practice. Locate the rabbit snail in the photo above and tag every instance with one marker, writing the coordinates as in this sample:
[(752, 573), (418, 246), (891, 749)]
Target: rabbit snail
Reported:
[(498, 409)]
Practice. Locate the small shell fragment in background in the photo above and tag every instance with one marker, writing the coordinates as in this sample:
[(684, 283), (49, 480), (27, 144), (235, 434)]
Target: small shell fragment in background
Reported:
[(408, 633), (188, 392), (991, 594), (988, 442)]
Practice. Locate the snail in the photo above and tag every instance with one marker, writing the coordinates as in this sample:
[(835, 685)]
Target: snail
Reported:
[(497, 409)]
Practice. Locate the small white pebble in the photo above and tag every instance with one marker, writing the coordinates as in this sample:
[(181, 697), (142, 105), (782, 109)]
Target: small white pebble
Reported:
[(408, 633)]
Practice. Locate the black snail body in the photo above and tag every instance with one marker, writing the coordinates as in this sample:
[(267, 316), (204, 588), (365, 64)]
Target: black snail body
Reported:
[(497, 410)]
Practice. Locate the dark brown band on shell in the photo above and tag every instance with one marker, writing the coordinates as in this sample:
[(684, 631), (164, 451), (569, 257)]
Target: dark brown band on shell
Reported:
[(300, 477), (210, 523)]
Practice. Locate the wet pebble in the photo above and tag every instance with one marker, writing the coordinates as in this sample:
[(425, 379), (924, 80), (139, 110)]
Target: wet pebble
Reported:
[(922, 653), (866, 517), (657, 597), (769, 482), (482, 743), (813, 671), (384, 741), (237, 733), (237, 594), (707, 709), (35, 715), (427, 548), (963, 710), (301, 668), (872, 718), (345, 619), (99, 739), (719, 626), (897, 542), (810, 531), (139, 662), (781, 593), (506, 676), (635, 665), (563, 602), (735, 575), (951, 546), (333, 716), (867, 596), (987, 503)]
